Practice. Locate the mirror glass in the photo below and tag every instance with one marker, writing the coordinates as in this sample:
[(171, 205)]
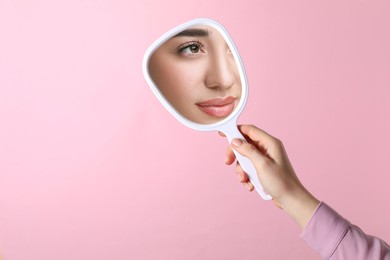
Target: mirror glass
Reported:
[(196, 72)]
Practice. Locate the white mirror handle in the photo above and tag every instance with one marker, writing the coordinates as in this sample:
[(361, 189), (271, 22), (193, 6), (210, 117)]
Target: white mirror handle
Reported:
[(246, 164)]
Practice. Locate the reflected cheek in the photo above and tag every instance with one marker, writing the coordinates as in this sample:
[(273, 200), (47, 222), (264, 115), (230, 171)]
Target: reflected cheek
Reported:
[(238, 89), (187, 84), (192, 71), (188, 76), (178, 86)]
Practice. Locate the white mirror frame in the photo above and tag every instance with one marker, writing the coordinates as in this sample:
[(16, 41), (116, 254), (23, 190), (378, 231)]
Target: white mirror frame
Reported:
[(244, 84)]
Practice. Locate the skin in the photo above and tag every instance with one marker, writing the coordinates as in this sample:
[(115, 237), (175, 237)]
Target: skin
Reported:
[(190, 69), (274, 171)]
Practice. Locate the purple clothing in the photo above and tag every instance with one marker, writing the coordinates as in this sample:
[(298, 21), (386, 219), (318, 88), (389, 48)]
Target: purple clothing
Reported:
[(334, 237)]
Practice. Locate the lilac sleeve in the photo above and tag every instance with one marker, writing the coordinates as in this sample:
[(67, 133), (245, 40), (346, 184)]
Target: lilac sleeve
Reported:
[(334, 237)]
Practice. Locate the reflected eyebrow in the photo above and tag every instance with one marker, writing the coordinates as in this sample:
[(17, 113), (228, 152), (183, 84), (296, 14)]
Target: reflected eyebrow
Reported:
[(193, 32)]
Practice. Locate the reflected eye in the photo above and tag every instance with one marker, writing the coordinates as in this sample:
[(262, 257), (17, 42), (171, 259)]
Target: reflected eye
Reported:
[(189, 48), (192, 49)]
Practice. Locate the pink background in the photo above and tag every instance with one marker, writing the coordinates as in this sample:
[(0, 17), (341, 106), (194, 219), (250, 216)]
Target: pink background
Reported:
[(93, 167)]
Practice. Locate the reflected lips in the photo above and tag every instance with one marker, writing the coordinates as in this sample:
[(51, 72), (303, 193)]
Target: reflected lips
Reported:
[(218, 107)]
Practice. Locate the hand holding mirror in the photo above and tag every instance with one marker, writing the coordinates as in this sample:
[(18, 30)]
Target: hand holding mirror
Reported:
[(197, 74)]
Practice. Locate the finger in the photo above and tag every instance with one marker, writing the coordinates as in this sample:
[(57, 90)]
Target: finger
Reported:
[(249, 186), (221, 134), (255, 133), (242, 176), (264, 142), (229, 157), (250, 151)]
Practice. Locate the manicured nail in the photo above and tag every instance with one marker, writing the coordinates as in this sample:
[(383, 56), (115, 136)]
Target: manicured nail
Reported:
[(240, 177), (250, 186), (236, 142)]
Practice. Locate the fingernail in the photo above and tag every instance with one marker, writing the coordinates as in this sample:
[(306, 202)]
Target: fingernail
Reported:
[(236, 142), (250, 186), (240, 178)]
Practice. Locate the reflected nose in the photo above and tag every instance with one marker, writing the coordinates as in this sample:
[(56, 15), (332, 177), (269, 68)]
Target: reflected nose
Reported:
[(221, 72)]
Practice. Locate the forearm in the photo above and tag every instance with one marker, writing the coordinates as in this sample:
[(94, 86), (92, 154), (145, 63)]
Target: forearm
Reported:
[(300, 206)]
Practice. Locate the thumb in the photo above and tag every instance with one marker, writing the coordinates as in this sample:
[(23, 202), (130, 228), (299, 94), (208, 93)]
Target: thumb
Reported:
[(250, 151)]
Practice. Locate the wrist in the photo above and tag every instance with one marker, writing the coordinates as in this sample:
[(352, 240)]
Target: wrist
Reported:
[(300, 206)]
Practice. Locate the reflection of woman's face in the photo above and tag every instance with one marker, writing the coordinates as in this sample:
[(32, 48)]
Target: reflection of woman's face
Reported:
[(197, 73)]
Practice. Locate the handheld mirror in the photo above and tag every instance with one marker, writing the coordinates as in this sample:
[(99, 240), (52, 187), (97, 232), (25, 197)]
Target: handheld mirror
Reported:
[(197, 74)]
